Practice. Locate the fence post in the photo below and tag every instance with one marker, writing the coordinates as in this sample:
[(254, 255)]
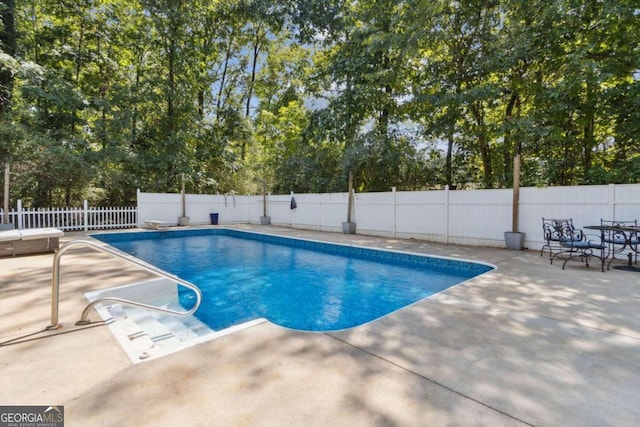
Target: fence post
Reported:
[(446, 213), (612, 203), (138, 207), (393, 192), (319, 211), (20, 219), (85, 215)]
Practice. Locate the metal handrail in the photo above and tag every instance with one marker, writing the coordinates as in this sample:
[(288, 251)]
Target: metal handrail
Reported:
[(55, 284), (233, 195)]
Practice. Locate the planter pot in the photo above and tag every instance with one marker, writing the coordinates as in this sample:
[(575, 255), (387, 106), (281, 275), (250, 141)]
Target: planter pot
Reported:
[(349, 227), (514, 240), (183, 220), (265, 220)]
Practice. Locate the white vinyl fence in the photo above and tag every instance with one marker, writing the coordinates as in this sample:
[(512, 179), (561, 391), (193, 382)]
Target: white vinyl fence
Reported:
[(83, 218), (470, 217)]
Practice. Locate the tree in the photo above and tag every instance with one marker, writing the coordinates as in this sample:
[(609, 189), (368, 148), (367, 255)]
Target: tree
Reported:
[(7, 50), (134, 94)]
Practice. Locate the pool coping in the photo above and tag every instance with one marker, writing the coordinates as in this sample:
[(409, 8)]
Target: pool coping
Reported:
[(194, 230)]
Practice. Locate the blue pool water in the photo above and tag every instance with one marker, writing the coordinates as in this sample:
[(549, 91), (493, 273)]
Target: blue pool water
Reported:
[(294, 283)]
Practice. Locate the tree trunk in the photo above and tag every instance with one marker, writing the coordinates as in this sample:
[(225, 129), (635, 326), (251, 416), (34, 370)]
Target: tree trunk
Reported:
[(587, 149), (386, 101), (483, 145), (516, 190), (220, 101), (257, 46), (447, 167), (172, 87), (509, 151)]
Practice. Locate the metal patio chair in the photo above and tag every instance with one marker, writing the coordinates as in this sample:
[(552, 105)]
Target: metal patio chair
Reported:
[(552, 232), (619, 237), (575, 245)]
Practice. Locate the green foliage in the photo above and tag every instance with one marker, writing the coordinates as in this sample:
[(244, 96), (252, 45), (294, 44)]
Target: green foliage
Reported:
[(102, 97), (11, 141)]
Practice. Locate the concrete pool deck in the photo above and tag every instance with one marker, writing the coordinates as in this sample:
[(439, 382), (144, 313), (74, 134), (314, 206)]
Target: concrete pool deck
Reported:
[(526, 344)]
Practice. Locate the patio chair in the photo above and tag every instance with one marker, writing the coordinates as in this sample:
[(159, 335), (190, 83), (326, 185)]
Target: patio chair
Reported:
[(575, 245), (619, 239), (552, 232)]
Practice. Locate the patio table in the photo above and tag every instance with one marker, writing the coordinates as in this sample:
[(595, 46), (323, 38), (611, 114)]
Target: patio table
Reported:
[(629, 236)]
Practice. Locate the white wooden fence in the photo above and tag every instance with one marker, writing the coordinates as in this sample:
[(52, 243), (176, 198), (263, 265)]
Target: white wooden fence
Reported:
[(83, 218), (470, 217)]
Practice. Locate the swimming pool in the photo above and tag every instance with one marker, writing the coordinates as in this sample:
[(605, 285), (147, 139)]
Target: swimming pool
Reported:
[(298, 284)]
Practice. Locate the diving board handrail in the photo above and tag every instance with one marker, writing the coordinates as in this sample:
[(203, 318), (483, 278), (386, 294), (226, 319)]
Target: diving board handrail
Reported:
[(55, 284)]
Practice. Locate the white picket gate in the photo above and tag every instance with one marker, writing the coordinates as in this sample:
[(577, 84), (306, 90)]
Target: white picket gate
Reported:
[(83, 218)]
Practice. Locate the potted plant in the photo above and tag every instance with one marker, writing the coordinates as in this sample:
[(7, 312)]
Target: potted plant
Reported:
[(349, 227), (183, 219), (264, 219)]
